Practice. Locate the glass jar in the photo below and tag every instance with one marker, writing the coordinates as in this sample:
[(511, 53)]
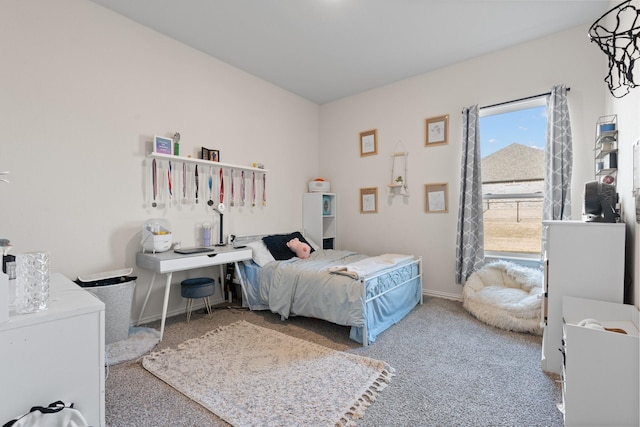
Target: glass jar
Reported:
[(32, 282)]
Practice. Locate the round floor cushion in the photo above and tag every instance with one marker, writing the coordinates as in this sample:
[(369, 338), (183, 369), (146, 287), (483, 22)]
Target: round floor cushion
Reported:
[(505, 295)]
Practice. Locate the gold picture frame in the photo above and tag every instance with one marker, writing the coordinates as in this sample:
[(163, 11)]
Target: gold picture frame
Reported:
[(436, 131), (436, 198), (369, 143), (369, 200)]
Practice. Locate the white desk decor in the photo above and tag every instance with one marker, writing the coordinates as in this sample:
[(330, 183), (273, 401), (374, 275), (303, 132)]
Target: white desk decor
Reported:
[(32, 282)]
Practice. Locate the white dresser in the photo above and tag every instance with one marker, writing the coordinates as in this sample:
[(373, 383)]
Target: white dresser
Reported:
[(601, 376), (583, 260), (55, 354)]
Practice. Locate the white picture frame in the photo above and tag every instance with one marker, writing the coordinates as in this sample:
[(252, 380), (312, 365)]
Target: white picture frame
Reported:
[(162, 145)]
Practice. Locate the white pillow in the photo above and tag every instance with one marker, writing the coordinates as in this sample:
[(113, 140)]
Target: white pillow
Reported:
[(261, 254)]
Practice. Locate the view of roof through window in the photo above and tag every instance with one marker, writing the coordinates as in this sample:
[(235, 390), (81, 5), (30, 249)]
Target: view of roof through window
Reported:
[(512, 150)]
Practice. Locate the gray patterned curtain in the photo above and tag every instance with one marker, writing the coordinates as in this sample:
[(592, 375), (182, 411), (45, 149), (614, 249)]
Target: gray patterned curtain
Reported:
[(558, 157), (470, 236)]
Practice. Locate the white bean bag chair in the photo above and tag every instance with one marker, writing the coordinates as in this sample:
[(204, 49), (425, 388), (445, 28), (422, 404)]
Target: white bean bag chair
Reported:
[(505, 295)]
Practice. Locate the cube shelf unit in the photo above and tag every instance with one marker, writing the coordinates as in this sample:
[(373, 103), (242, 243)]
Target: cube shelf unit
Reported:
[(319, 219)]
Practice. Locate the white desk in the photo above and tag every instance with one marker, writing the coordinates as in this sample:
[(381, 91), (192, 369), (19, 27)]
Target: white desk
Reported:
[(168, 262)]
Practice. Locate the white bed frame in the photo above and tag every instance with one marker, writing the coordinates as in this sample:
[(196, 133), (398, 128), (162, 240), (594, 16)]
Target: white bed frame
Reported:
[(375, 296)]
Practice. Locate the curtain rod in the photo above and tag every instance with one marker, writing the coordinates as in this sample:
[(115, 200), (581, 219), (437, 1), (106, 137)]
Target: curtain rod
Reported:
[(520, 99)]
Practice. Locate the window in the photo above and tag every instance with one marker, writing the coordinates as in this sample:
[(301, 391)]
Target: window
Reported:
[(512, 141)]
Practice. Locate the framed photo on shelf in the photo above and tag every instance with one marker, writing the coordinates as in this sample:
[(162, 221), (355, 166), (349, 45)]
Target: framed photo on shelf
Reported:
[(369, 142), (209, 154), (436, 198), (162, 145), (436, 131), (369, 200)]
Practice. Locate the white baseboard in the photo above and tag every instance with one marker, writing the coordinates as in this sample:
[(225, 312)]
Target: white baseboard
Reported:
[(438, 294), (197, 305)]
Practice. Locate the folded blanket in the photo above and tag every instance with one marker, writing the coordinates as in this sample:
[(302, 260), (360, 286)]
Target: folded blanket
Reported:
[(368, 266)]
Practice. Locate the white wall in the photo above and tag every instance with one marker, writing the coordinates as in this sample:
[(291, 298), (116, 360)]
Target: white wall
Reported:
[(398, 112), (83, 90), (628, 110)]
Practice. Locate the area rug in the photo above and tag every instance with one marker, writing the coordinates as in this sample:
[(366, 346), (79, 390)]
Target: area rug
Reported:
[(249, 376), (140, 341)]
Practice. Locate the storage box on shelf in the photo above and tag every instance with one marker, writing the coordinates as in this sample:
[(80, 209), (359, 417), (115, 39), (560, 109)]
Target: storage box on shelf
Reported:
[(601, 372)]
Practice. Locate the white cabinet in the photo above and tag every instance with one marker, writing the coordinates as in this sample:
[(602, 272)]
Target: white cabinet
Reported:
[(55, 354), (601, 373), (319, 218), (583, 260)]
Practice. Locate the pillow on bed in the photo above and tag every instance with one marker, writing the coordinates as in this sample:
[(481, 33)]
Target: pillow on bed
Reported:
[(277, 245), (261, 254)]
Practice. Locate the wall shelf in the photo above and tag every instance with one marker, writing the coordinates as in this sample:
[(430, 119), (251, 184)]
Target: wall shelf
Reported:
[(183, 159), (606, 147), (399, 173)]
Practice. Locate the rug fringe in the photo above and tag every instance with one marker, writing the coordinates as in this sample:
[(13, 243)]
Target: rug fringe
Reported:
[(356, 411)]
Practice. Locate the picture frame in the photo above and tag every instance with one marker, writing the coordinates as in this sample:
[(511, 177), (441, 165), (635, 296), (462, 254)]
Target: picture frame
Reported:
[(210, 154), (369, 200), (369, 143), (436, 198), (436, 131), (162, 145)]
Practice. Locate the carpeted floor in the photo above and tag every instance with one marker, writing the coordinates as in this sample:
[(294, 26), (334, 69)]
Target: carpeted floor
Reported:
[(451, 370)]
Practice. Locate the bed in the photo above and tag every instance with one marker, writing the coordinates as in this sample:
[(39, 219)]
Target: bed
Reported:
[(370, 294)]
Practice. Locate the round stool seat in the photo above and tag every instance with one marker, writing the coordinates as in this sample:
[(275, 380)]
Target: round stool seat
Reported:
[(197, 288)]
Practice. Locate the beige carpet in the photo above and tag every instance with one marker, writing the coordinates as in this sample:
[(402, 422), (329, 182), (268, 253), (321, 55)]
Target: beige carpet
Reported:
[(250, 375)]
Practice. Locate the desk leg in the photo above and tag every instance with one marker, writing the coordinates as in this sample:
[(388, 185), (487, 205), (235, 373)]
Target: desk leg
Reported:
[(222, 282), (167, 288), (244, 291), (146, 297)]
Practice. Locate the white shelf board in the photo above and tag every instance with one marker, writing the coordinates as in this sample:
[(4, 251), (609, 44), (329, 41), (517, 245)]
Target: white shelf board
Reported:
[(183, 159)]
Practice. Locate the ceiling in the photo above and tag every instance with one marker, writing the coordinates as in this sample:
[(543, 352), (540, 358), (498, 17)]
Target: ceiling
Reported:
[(324, 50)]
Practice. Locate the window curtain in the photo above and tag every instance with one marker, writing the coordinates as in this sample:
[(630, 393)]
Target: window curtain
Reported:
[(470, 236), (558, 157)]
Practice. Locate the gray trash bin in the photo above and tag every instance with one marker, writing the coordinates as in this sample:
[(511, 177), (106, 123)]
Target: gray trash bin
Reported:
[(115, 290)]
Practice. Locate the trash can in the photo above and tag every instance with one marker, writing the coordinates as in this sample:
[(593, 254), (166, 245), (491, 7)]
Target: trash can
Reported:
[(115, 290)]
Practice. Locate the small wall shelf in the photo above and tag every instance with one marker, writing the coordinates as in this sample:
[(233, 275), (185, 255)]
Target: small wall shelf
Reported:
[(183, 159), (606, 147), (399, 174)]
